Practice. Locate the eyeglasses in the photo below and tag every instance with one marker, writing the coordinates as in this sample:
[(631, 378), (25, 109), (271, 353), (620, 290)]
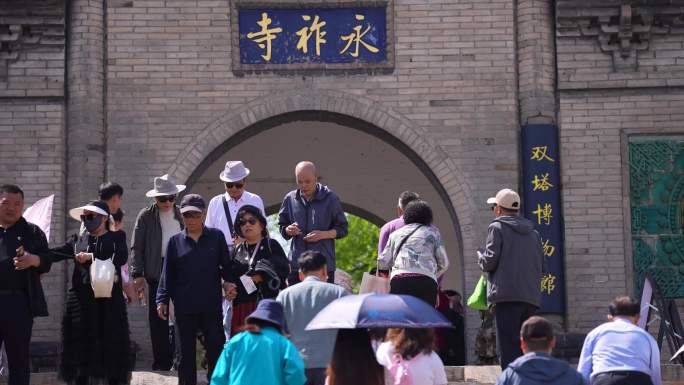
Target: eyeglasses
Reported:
[(251, 221), (237, 185), (192, 215), (166, 198), (88, 217)]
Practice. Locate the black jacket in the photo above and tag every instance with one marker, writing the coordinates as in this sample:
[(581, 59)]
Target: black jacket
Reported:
[(269, 261), (146, 243), (111, 244), (33, 239)]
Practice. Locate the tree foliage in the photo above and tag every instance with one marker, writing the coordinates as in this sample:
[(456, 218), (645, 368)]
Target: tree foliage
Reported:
[(358, 251), (355, 253)]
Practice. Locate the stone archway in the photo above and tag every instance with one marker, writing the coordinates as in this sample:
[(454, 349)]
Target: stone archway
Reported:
[(260, 115), (399, 129)]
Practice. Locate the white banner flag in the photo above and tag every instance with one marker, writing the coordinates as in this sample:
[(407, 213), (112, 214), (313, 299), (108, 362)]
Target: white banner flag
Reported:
[(40, 214)]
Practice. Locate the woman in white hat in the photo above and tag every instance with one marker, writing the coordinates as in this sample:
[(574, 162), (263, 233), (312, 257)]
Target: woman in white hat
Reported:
[(95, 334)]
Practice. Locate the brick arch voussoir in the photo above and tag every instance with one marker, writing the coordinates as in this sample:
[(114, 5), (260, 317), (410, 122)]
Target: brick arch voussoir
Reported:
[(383, 117)]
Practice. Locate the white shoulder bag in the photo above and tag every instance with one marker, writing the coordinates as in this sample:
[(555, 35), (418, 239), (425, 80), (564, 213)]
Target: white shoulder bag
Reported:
[(102, 274)]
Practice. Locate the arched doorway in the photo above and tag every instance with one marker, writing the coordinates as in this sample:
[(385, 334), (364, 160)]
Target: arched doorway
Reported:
[(363, 164)]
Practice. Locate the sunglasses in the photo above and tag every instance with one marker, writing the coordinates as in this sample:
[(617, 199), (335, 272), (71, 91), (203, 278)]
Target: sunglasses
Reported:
[(251, 221), (237, 185), (88, 217), (192, 215), (166, 198), (493, 207)]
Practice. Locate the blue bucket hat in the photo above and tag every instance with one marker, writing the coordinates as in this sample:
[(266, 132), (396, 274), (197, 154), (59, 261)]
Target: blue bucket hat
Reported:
[(270, 310)]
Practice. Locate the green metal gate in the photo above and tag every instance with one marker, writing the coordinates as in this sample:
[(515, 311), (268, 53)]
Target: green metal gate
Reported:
[(656, 171)]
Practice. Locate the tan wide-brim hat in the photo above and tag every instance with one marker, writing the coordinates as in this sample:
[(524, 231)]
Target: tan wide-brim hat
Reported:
[(165, 185)]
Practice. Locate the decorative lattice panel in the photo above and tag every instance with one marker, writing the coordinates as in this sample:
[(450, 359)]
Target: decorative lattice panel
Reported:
[(656, 170)]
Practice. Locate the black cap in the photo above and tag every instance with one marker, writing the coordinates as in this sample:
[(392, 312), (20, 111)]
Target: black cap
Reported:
[(192, 202)]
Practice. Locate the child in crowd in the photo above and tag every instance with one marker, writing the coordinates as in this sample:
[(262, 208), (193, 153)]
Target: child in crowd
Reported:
[(261, 354), (409, 357)]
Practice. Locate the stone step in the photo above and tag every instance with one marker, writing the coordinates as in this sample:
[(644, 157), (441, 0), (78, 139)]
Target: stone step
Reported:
[(456, 375)]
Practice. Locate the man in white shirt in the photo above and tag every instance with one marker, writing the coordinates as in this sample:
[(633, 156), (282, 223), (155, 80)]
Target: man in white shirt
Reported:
[(619, 352), (223, 210), (234, 177)]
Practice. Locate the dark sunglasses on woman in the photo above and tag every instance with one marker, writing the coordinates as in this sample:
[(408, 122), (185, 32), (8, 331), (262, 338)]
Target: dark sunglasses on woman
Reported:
[(251, 221), (88, 217), (166, 198)]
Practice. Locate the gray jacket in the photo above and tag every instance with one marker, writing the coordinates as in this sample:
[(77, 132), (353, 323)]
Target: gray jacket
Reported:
[(301, 303), (146, 244), (514, 259)]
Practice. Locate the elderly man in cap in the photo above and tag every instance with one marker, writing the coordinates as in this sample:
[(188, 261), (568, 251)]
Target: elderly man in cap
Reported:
[(196, 260), (154, 227), (514, 261), (24, 255)]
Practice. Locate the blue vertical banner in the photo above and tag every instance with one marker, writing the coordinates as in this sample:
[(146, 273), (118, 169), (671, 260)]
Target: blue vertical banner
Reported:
[(542, 203)]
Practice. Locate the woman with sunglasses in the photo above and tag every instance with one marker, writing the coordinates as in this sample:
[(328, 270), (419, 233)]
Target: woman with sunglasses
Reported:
[(95, 333), (261, 267)]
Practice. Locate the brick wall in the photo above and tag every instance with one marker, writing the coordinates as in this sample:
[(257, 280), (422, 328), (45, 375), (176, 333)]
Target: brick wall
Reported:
[(172, 97), (603, 100), (594, 128), (33, 158), (32, 124)]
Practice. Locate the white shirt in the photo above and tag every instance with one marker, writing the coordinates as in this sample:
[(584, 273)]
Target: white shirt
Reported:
[(425, 369), (216, 215), (619, 346), (170, 227)]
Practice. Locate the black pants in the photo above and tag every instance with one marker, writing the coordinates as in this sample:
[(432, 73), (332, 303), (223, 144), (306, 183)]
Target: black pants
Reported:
[(623, 378), (188, 326), (420, 286), (293, 278), (16, 323), (509, 317), (315, 376), (159, 332)]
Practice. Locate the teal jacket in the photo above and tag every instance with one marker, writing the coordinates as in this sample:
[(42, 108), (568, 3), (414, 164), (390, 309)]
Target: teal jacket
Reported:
[(267, 358)]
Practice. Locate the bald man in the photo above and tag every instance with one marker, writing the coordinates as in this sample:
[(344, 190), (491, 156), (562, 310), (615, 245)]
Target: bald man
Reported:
[(313, 218)]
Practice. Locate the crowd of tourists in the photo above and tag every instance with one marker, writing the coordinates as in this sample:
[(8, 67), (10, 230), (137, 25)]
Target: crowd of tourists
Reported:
[(211, 270)]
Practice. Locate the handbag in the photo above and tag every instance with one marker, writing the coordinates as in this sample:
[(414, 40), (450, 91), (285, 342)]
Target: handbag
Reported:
[(102, 274), (373, 284), (478, 300), (376, 284)]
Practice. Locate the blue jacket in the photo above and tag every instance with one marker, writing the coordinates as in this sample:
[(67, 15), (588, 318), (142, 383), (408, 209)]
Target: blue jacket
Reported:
[(539, 369), (192, 272), (324, 213), (266, 358)]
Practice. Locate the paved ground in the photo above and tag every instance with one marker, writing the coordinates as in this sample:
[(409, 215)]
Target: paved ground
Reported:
[(457, 375)]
